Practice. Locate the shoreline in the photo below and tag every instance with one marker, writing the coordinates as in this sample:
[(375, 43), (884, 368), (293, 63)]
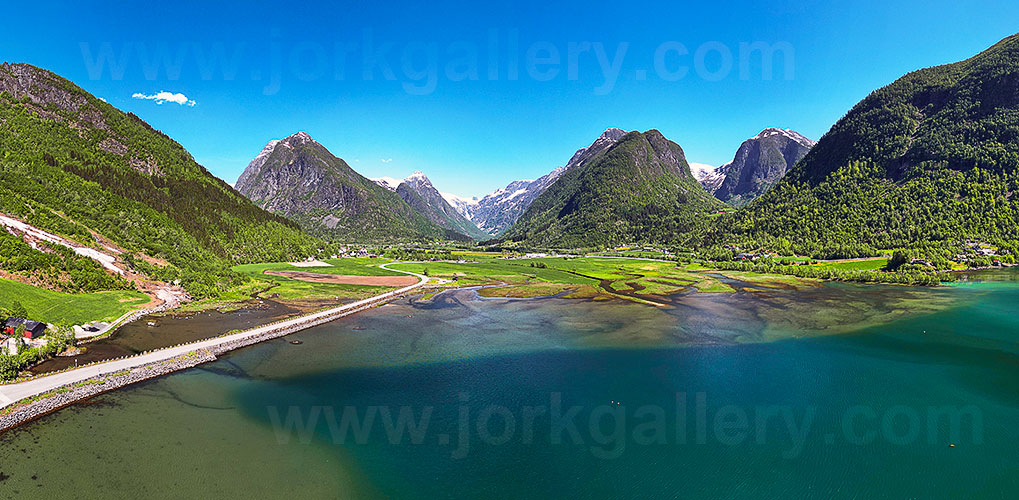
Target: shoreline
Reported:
[(48, 393)]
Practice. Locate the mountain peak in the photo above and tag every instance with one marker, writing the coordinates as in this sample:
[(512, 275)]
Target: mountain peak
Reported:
[(787, 133), (639, 188), (421, 195), (613, 133), (301, 137), (301, 179), (389, 183), (418, 180), (758, 164), (417, 175)]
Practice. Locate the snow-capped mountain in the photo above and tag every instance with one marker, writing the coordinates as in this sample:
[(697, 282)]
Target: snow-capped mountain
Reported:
[(417, 190), (498, 210), (788, 134), (389, 183), (709, 176), (461, 204), (759, 163)]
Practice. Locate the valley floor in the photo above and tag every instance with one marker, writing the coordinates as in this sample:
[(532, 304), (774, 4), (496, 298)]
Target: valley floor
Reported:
[(313, 291)]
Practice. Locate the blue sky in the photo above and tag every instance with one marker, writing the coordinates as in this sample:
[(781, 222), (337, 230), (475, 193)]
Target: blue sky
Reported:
[(452, 106)]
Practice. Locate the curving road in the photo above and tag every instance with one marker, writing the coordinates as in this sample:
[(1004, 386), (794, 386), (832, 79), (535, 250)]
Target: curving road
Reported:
[(11, 393)]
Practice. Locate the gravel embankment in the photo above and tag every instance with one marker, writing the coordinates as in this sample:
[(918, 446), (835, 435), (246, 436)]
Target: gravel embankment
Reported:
[(67, 395)]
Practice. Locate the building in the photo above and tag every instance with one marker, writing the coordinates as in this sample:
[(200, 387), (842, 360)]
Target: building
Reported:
[(9, 346), (33, 329)]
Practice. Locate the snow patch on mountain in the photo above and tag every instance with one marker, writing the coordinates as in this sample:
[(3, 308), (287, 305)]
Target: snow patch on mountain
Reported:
[(789, 133), (389, 183), (709, 176)]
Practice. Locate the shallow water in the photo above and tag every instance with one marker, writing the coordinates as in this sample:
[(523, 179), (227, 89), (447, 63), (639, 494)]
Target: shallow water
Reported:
[(169, 329), (850, 415)]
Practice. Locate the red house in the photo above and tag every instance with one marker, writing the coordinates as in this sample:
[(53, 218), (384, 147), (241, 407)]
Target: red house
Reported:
[(33, 329)]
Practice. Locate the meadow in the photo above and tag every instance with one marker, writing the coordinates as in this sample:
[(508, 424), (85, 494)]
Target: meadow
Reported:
[(57, 307), (874, 264), (291, 289)]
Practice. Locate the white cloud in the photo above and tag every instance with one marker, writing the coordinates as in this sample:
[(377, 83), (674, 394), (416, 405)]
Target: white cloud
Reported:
[(164, 96), (387, 160)]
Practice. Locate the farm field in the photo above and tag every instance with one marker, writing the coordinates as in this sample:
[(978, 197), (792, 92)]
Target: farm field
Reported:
[(293, 289)]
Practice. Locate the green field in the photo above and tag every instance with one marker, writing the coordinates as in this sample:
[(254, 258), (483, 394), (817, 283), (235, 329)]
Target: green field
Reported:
[(356, 267), (874, 264), (291, 289), (56, 307)]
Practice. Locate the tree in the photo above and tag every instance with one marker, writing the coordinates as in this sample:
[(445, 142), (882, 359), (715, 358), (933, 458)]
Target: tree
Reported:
[(899, 258), (18, 310)]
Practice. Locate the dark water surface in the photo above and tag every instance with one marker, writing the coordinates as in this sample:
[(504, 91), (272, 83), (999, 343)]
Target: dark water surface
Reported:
[(170, 329), (748, 395)]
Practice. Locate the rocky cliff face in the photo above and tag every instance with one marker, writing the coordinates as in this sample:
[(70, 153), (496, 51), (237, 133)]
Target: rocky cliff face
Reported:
[(498, 210), (418, 191), (301, 179), (759, 163)]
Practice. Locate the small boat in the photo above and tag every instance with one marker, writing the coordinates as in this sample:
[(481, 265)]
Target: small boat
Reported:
[(296, 342)]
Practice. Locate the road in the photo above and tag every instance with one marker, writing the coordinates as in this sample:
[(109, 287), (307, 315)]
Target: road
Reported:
[(12, 393)]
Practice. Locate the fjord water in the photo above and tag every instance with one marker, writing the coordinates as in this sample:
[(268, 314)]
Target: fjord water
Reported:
[(858, 370)]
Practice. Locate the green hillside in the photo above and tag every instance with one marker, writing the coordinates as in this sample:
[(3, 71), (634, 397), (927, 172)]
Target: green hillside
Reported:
[(300, 179), (931, 160), (56, 307), (639, 190), (73, 165)]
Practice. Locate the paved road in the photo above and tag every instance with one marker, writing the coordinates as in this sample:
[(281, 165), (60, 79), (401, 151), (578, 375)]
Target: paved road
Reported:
[(12, 393)]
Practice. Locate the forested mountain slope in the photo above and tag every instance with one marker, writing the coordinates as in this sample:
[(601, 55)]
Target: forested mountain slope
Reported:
[(929, 160), (497, 211), (638, 190), (75, 165)]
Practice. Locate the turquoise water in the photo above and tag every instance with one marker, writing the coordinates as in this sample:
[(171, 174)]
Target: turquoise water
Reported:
[(840, 391)]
